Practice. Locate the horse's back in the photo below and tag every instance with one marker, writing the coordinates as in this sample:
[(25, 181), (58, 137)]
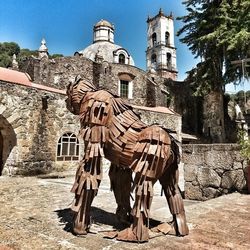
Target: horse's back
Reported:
[(152, 152)]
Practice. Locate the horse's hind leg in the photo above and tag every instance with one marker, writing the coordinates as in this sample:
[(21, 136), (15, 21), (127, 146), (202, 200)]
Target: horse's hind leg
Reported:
[(121, 179), (138, 231), (169, 182)]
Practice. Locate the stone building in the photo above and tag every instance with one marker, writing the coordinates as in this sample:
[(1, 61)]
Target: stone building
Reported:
[(38, 134), (33, 127)]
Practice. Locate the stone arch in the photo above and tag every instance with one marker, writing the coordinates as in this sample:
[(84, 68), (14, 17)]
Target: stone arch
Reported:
[(1, 152), (8, 141)]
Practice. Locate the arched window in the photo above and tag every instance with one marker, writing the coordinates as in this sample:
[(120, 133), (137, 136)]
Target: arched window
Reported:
[(154, 39), (68, 148), (167, 36), (121, 59), (153, 58), (169, 59)]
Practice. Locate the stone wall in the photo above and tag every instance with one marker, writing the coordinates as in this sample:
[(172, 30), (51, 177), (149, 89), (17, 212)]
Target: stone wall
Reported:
[(59, 72), (170, 121), (190, 107), (211, 170), (31, 123)]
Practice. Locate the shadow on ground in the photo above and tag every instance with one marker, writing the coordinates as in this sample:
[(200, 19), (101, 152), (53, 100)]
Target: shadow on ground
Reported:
[(98, 217)]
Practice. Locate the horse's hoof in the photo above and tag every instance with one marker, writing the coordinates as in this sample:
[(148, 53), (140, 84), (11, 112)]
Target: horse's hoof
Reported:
[(128, 235), (79, 232)]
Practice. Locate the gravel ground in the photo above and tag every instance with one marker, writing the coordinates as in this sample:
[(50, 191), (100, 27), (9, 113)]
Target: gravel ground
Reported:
[(35, 214)]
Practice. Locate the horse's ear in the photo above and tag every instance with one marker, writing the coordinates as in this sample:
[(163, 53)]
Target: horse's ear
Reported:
[(77, 79), (68, 87)]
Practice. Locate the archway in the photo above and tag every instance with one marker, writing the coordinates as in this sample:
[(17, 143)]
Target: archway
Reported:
[(1, 152), (7, 141)]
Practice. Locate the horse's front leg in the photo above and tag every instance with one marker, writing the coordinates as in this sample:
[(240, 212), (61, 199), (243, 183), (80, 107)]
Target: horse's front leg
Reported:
[(88, 178)]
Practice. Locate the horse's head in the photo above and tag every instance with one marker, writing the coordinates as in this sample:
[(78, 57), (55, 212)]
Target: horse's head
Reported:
[(76, 92)]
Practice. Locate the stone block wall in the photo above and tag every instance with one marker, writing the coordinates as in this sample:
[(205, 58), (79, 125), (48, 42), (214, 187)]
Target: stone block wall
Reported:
[(170, 121), (109, 80), (31, 123), (59, 72), (211, 170)]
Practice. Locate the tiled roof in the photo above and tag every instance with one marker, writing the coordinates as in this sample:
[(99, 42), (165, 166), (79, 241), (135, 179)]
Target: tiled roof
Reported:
[(17, 77), (158, 109), (13, 76)]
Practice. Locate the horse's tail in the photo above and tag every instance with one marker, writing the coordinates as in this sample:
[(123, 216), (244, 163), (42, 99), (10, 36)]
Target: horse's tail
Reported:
[(175, 145)]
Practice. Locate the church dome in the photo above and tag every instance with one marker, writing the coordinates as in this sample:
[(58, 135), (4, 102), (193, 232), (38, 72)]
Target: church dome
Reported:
[(104, 23), (103, 46)]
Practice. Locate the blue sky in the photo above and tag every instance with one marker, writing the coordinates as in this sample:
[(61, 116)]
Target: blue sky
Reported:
[(67, 25)]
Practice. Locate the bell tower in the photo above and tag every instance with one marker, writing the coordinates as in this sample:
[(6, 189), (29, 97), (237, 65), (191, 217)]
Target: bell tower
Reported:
[(161, 51)]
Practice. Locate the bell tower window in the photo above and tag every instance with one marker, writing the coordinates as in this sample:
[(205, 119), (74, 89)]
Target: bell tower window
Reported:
[(167, 36), (169, 60), (153, 58), (154, 39)]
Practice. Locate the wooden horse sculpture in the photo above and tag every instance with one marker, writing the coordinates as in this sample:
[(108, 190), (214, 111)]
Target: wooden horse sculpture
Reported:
[(111, 129)]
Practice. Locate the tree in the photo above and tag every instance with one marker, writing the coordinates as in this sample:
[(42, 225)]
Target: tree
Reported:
[(217, 32), (25, 53), (5, 60), (8, 49), (55, 55)]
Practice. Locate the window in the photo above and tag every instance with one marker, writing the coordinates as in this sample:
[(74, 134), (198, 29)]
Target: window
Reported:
[(108, 35), (153, 58), (169, 60), (124, 88), (154, 38), (121, 59), (68, 148), (167, 38)]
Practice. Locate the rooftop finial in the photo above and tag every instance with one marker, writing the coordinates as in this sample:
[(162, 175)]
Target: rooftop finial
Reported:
[(43, 50), (15, 65), (43, 46), (161, 11)]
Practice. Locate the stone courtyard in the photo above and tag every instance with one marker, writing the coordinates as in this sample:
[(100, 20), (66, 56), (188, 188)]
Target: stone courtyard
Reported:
[(35, 214)]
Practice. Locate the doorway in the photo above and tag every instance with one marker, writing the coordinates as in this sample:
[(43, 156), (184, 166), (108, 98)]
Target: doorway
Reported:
[(1, 153), (8, 141)]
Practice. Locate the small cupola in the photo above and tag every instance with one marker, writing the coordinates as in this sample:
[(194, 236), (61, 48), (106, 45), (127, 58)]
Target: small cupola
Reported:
[(104, 31)]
